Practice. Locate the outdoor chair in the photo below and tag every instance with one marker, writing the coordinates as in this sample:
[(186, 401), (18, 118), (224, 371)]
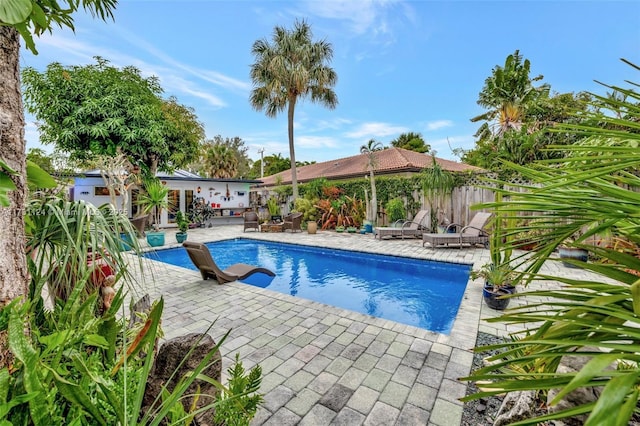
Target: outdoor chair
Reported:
[(404, 228), (251, 221), (472, 234), (293, 222), (201, 257)]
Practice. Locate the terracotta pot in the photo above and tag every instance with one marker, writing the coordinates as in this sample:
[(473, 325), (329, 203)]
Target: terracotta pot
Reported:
[(312, 227)]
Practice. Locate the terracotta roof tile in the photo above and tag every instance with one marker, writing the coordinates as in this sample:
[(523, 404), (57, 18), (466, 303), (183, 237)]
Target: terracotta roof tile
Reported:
[(390, 160)]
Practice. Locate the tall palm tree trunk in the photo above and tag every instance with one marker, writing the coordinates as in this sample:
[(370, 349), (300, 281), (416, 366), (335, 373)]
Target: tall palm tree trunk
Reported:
[(374, 198), (292, 153), (14, 276)]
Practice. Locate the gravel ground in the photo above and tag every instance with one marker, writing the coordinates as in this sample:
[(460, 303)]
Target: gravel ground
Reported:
[(481, 412)]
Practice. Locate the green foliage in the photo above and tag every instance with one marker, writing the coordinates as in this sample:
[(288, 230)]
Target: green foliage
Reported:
[(80, 363), (61, 236), (39, 157), (291, 68), (593, 191), (498, 275), (314, 189), (437, 184), (238, 402), (274, 206), (224, 157), (308, 208), (99, 109), (31, 17), (220, 161), (36, 179), (154, 199), (395, 210), (411, 141), (182, 221)]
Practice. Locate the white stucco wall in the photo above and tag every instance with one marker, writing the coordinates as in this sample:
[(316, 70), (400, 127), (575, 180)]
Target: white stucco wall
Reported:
[(228, 198)]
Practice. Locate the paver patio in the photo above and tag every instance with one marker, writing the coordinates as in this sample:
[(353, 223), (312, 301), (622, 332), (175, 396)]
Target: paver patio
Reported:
[(324, 365)]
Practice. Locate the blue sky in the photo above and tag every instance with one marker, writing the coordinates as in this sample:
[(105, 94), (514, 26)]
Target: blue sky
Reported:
[(402, 65)]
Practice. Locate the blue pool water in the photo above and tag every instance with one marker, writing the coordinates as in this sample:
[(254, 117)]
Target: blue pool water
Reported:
[(421, 293)]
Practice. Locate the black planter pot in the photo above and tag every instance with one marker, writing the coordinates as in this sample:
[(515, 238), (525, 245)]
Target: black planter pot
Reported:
[(492, 296)]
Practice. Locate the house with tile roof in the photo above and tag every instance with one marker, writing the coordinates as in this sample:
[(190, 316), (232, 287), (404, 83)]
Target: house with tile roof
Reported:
[(389, 161)]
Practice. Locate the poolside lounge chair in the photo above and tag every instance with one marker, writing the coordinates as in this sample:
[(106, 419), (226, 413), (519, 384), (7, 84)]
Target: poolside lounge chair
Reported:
[(251, 221), (471, 234), (405, 228), (201, 257), (292, 221)]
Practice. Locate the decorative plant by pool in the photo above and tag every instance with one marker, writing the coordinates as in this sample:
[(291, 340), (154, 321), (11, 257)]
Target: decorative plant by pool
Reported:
[(395, 210)]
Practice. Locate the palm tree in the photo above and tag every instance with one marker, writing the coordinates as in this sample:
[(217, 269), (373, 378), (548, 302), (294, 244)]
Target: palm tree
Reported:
[(292, 68), (370, 148), (220, 161), (411, 141), (22, 19), (506, 94)]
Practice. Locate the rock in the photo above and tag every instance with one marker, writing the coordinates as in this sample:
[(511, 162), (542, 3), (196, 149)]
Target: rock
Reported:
[(170, 355), (580, 396), (481, 408), (516, 406)]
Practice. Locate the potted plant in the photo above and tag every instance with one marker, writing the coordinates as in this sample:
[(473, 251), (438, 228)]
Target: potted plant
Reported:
[(498, 282), (153, 200), (498, 275), (274, 209), (183, 226)]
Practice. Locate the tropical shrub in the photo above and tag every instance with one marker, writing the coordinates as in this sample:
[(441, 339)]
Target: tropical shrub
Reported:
[(153, 199), (594, 191), (395, 210)]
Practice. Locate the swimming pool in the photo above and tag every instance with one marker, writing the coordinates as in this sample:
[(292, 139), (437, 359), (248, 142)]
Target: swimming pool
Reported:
[(421, 293)]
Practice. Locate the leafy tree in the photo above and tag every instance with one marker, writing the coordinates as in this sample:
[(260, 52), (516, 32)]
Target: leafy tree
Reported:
[(369, 149), (275, 164), (41, 158), (25, 17), (411, 141), (292, 68), (507, 94), (98, 109), (530, 142)]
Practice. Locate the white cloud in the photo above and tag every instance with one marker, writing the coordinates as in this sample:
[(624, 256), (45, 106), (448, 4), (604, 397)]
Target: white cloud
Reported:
[(439, 124), (375, 130), (334, 124), (171, 73), (315, 142)]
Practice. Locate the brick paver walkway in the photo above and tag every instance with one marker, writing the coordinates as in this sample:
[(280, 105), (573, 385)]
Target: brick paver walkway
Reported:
[(324, 365)]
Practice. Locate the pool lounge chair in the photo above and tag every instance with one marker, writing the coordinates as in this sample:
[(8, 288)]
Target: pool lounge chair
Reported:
[(251, 221), (201, 257), (471, 234), (405, 228), (292, 221)]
